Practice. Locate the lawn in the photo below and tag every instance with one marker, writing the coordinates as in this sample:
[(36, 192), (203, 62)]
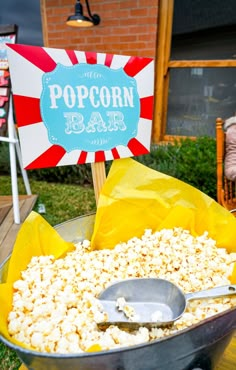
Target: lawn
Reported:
[(62, 202)]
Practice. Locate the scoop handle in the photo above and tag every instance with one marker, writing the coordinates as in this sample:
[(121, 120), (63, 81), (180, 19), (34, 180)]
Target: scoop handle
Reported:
[(212, 293)]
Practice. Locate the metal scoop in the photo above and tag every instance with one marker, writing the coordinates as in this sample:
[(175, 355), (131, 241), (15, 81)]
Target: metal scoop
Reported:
[(150, 302)]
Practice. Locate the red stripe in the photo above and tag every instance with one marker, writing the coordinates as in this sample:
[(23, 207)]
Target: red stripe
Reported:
[(100, 156), (146, 109), (136, 147), (36, 55), (49, 158), (91, 57), (135, 65), (115, 153), (82, 157), (27, 110), (71, 54), (108, 59)]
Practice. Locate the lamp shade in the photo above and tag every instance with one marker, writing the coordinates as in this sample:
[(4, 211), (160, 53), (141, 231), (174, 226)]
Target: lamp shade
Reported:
[(80, 20)]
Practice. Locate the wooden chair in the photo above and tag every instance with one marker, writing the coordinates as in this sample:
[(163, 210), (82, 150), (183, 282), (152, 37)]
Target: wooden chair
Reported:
[(226, 189)]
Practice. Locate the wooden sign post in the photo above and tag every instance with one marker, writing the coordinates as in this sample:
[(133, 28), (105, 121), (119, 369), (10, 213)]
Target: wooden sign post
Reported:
[(99, 177), (80, 107)]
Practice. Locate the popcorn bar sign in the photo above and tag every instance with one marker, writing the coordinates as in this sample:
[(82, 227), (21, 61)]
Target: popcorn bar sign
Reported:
[(79, 107), (89, 107)]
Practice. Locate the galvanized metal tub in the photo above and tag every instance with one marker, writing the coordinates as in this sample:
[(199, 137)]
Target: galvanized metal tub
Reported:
[(198, 347)]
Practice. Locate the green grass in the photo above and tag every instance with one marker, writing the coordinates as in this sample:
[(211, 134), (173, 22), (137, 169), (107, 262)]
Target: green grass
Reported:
[(8, 358), (62, 202)]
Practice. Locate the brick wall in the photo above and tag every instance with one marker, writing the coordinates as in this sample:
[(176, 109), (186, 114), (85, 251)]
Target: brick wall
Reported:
[(127, 27)]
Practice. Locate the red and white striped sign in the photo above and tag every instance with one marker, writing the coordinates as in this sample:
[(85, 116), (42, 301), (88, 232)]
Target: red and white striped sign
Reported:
[(28, 64)]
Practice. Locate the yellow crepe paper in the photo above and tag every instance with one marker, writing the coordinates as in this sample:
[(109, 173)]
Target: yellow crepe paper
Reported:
[(35, 238), (94, 348), (23, 367), (133, 198)]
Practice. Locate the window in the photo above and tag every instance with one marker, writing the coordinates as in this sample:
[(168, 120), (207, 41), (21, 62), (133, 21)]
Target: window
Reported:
[(196, 74), (197, 96)]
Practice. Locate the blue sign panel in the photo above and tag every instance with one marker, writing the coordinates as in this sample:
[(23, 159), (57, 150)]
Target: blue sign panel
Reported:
[(89, 107)]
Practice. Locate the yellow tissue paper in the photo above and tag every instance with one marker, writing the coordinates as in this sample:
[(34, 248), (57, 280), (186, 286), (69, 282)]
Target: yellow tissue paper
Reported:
[(133, 198), (35, 238)]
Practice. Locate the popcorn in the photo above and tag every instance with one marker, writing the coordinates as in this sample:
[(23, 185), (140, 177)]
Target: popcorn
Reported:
[(55, 307), (120, 303), (127, 309)]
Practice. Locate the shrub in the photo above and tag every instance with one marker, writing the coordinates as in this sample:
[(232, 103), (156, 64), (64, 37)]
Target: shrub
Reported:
[(74, 174), (4, 158), (192, 161)]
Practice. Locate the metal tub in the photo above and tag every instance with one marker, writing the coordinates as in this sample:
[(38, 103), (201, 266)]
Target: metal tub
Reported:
[(198, 347)]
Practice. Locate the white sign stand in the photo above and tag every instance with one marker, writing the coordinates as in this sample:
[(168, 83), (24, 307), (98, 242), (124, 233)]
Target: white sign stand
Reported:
[(14, 149)]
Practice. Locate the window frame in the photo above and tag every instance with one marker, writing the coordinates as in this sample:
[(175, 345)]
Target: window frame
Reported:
[(164, 64)]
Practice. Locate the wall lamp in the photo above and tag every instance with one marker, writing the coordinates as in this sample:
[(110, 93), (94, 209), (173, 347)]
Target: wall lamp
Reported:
[(80, 20)]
